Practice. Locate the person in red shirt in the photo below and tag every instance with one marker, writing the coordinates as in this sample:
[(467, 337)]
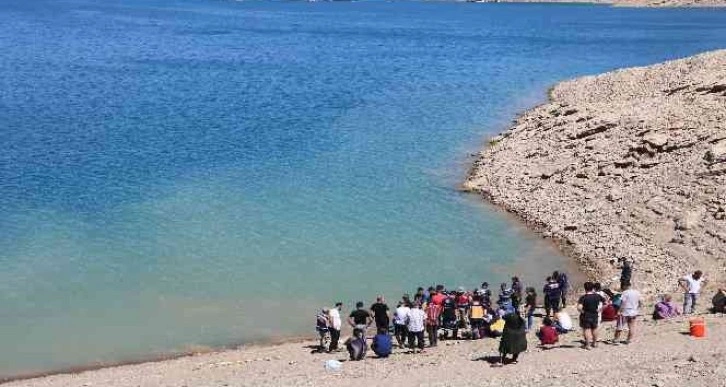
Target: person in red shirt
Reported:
[(433, 322), (438, 297), (547, 334)]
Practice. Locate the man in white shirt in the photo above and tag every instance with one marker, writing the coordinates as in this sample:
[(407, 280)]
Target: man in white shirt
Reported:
[(416, 323), (691, 285), (399, 324), (628, 313), (335, 325)]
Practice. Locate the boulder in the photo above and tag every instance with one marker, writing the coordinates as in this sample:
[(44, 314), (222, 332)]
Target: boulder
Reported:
[(717, 153), (655, 139)]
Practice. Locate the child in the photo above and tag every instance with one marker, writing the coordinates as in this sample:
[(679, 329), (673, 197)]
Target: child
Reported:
[(547, 334)]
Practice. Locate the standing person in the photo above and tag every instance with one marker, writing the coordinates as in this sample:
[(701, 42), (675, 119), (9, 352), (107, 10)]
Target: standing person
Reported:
[(323, 328), (505, 299), (626, 274), (517, 290), (530, 304), (381, 313), (428, 294), (450, 318), (486, 294), (415, 323), (419, 296), (438, 296), (588, 306), (564, 286), (552, 296), (399, 324), (335, 325), (360, 319), (606, 299), (476, 317), (691, 285), (433, 322), (514, 339), (628, 313)]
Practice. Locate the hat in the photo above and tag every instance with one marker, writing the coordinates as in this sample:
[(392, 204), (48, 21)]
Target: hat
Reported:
[(460, 289)]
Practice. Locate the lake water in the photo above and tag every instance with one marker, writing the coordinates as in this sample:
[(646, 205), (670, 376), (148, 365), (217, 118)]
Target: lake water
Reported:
[(185, 174)]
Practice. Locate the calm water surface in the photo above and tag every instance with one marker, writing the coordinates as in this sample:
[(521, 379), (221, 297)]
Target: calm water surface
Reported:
[(197, 173)]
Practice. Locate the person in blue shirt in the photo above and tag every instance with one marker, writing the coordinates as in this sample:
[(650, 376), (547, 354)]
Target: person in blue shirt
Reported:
[(382, 344)]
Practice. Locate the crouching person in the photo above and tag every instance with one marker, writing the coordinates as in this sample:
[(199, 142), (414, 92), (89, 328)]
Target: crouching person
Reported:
[(382, 344), (356, 345), (547, 334)]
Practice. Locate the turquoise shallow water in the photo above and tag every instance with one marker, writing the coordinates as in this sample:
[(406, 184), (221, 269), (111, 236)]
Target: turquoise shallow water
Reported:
[(198, 173)]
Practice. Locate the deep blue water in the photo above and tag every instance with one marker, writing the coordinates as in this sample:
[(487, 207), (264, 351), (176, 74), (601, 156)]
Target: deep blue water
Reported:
[(177, 174)]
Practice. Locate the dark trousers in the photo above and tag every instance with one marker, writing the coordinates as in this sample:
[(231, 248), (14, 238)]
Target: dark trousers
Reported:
[(416, 336), (433, 331), (334, 337), (401, 333)]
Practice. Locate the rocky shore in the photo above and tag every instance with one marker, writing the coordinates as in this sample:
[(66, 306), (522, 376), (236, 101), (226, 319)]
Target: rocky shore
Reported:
[(631, 163)]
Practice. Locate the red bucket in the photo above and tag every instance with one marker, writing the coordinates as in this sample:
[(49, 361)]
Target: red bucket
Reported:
[(698, 327)]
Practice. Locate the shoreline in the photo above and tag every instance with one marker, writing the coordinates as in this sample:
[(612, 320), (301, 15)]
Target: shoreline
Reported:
[(261, 355), (160, 358)]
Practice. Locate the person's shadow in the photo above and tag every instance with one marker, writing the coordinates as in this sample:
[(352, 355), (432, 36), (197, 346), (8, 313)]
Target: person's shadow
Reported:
[(491, 359)]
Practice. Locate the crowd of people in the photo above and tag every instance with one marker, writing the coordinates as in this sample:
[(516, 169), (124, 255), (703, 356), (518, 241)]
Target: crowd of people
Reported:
[(438, 313)]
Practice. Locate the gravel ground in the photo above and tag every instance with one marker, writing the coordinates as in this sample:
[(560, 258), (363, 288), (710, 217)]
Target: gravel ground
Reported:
[(662, 355)]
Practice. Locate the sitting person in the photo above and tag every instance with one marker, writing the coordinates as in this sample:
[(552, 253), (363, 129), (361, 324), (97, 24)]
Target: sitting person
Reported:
[(719, 301), (496, 327), (547, 334), (382, 343), (665, 309), (563, 322), (356, 345)]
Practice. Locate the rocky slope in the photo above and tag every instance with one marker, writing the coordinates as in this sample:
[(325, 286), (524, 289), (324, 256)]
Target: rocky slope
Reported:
[(630, 163)]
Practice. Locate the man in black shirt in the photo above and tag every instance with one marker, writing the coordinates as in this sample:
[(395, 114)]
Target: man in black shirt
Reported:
[(381, 314), (589, 308), (360, 319)]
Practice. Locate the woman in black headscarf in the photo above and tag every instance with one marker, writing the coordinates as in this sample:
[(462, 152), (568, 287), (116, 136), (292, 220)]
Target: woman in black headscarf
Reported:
[(514, 337)]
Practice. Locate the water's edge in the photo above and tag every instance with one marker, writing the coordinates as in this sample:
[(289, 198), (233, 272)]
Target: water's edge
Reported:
[(575, 269)]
